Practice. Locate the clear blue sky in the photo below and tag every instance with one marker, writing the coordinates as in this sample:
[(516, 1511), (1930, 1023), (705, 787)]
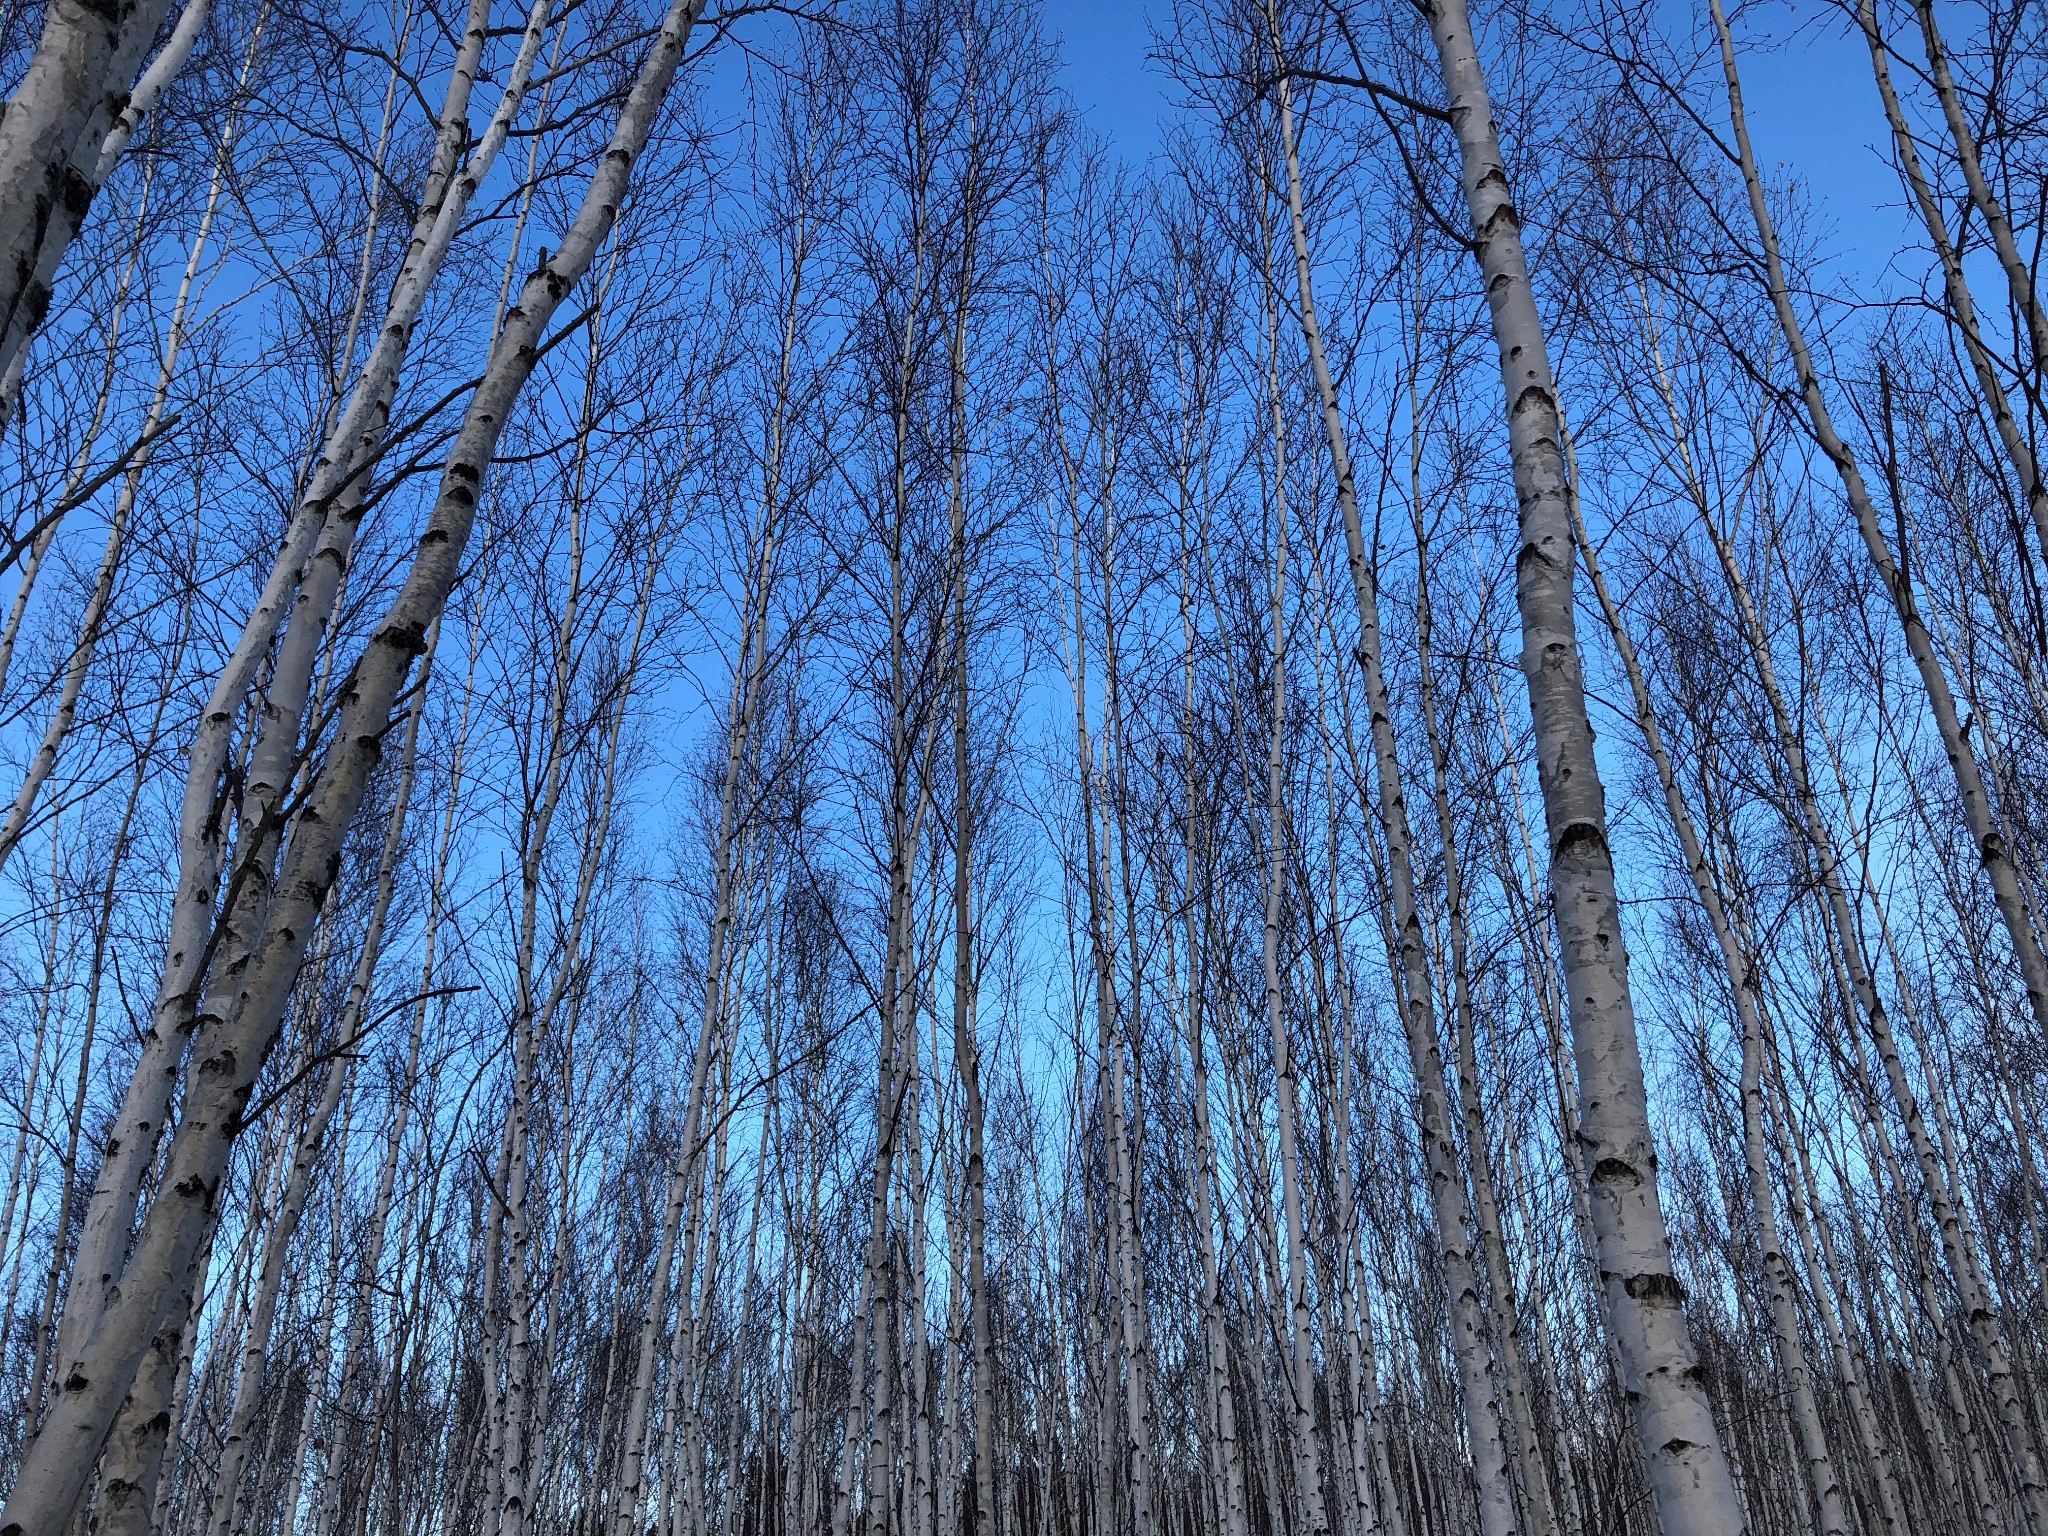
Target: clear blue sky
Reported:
[(1104, 43)]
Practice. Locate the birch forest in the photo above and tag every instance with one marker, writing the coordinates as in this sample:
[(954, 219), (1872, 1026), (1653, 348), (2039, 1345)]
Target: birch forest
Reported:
[(748, 789)]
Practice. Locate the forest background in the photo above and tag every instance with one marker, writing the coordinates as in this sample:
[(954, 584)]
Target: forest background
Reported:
[(1265, 765)]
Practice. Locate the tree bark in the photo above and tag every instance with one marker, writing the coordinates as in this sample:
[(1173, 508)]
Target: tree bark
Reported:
[(231, 1050), (1688, 1471), (1414, 988)]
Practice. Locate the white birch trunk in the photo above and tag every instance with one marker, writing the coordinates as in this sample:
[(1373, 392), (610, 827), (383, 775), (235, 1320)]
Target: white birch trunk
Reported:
[(742, 708), (1688, 1473), (284, 1225), (1743, 983), (1226, 1455), (77, 85), (132, 1142), (44, 763), (1985, 1325), (2012, 261), (1312, 1512), (1413, 985), (232, 1050), (1955, 284)]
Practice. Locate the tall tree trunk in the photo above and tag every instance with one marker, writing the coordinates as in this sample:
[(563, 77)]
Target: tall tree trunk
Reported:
[(1985, 1326), (1688, 1471), (1279, 853), (1743, 983), (231, 1049), (284, 1225), (1414, 987)]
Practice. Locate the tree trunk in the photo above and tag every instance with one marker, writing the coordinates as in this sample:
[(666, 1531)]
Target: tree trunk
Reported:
[(1688, 1472)]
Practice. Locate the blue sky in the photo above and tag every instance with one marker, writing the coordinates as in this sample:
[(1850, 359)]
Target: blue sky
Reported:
[(1814, 110), (1104, 46), (1812, 107)]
